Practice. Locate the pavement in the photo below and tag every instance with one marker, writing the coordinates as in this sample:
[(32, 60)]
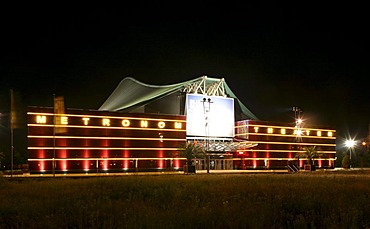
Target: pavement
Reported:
[(144, 173)]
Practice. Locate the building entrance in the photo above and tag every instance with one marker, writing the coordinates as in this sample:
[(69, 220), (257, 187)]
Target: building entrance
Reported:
[(214, 164)]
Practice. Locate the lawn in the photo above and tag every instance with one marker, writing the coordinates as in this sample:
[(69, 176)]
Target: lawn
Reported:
[(304, 200)]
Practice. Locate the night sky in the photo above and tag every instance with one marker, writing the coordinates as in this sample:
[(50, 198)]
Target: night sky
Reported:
[(273, 57)]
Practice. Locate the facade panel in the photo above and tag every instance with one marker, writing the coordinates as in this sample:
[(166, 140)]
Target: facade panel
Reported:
[(89, 141), (98, 141), (278, 144)]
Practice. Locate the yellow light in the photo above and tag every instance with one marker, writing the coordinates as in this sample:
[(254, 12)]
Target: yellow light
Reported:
[(319, 133), (64, 120), (270, 130), (330, 134), (307, 132), (178, 125), (126, 123), (256, 129), (161, 124), (86, 121), (41, 119), (106, 122), (144, 123), (283, 131)]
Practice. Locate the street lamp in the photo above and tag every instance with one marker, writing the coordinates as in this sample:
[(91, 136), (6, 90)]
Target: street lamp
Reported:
[(207, 110), (350, 143)]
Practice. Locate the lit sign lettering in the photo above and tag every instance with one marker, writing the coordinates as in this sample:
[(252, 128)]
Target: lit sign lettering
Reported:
[(125, 123), (161, 124), (86, 121), (144, 123), (41, 119), (178, 125), (106, 122), (112, 122), (64, 120)]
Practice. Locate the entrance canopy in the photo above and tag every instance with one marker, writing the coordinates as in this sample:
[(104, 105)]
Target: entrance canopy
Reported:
[(224, 146)]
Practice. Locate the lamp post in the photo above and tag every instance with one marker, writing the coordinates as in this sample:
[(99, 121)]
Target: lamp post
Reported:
[(207, 110), (350, 143), (297, 129)]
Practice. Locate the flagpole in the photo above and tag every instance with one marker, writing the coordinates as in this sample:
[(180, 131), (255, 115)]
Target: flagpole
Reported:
[(53, 136), (11, 132)]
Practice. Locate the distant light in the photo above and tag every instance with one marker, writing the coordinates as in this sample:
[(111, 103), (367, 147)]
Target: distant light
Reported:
[(299, 121), (363, 143), (350, 143)]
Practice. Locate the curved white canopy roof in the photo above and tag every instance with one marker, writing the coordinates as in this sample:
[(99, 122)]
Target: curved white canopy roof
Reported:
[(131, 92)]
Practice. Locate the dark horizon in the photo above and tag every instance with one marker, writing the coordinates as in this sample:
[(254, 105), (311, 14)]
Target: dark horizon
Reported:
[(273, 58)]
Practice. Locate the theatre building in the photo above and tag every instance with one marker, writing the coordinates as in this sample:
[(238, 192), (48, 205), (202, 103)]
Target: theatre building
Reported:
[(143, 127)]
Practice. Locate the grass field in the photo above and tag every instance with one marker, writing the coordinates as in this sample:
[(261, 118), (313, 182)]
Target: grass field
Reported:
[(306, 200)]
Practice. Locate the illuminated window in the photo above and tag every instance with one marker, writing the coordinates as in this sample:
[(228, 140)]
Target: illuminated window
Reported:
[(307, 132), (283, 131), (330, 134), (270, 130), (256, 129), (319, 133)]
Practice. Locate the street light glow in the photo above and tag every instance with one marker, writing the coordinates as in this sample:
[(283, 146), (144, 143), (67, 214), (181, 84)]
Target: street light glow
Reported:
[(350, 143)]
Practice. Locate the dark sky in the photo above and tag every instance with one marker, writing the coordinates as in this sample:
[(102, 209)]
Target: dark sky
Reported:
[(273, 57)]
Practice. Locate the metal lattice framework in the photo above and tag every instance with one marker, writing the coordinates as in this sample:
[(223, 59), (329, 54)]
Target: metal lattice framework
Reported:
[(223, 146), (204, 87)]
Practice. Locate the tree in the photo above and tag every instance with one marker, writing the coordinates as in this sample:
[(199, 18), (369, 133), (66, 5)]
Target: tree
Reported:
[(191, 150), (2, 159), (346, 162), (309, 153)]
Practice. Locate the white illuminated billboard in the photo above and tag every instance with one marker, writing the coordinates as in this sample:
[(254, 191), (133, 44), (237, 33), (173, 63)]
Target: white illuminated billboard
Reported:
[(209, 116)]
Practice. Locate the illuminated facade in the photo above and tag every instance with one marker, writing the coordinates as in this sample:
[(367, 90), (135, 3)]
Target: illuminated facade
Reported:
[(97, 141), (277, 145), (102, 142), (141, 127)]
